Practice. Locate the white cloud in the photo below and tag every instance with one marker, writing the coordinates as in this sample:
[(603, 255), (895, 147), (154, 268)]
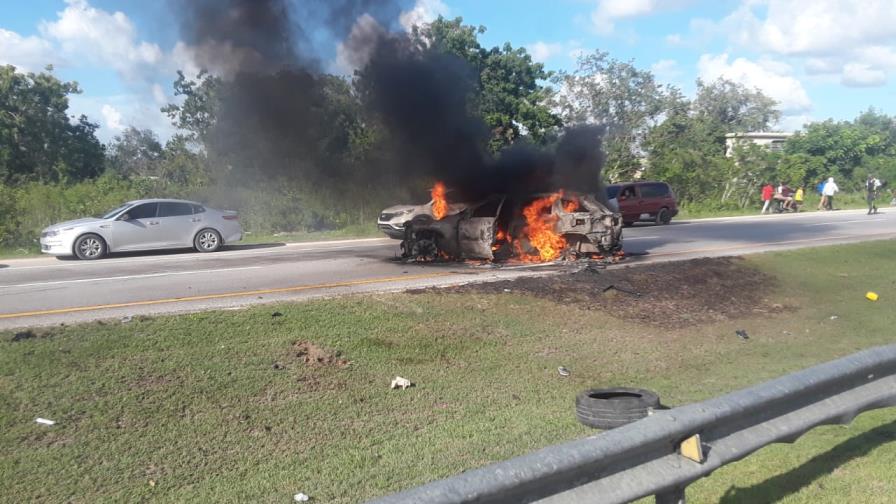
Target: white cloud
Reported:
[(117, 112), (424, 11), (103, 38), (159, 95), (794, 122), (27, 54), (855, 40), (543, 51), (815, 26), (666, 70), (773, 78), (674, 39), (85, 37), (862, 75), (609, 11), (112, 117)]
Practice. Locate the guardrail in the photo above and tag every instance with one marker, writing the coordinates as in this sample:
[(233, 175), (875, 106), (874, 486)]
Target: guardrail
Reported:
[(645, 457)]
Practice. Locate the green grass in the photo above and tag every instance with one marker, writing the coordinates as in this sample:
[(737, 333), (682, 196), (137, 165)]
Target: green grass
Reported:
[(196, 405), (18, 252), (347, 233)]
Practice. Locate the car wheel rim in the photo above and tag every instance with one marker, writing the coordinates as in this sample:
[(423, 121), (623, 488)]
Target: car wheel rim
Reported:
[(208, 241), (90, 247)]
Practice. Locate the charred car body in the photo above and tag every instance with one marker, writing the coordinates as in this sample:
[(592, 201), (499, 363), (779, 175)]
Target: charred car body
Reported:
[(500, 227)]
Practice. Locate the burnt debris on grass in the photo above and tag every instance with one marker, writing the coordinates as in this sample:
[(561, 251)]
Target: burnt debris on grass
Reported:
[(666, 294)]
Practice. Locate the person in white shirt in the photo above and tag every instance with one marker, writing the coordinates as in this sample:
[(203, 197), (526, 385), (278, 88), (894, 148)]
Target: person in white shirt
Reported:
[(830, 189)]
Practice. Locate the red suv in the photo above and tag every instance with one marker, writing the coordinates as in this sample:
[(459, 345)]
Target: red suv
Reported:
[(638, 201)]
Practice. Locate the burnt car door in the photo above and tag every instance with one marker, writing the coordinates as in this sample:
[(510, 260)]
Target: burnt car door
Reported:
[(476, 233)]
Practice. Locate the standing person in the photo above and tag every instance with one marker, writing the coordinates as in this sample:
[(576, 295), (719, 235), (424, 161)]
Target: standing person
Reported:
[(767, 192), (830, 189), (798, 198), (871, 186), (820, 190)]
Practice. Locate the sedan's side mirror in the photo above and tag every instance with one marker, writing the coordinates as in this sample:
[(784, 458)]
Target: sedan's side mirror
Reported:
[(124, 217)]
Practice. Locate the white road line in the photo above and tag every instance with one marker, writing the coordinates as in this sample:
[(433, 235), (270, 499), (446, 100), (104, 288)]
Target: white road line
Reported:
[(846, 221), (630, 238), (128, 277), (188, 257)]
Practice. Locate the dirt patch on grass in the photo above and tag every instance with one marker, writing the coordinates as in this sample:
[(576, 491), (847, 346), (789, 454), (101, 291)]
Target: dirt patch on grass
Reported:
[(314, 355), (665, 294)]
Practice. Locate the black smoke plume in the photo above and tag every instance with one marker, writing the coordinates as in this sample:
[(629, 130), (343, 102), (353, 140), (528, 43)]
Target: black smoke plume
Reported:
[(278, 118)]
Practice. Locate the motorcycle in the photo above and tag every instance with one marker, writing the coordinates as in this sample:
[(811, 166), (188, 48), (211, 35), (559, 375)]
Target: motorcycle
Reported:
[(778, 207)]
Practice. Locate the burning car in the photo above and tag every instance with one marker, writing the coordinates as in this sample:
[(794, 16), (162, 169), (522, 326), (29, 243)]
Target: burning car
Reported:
[(542, 227), (392, 220)]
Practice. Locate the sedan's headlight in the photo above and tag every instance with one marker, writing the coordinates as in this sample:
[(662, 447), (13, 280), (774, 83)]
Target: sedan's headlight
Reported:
[(51, 233)]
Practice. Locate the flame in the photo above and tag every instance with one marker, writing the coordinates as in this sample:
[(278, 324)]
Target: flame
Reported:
[(500, 236), (439, 203), (540, 229), (571, 206)]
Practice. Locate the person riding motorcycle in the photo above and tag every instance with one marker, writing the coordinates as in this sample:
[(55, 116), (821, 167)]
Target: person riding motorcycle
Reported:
[(783, 198)]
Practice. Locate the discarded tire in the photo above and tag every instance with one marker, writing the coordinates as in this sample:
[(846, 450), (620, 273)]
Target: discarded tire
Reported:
[(614, 407)]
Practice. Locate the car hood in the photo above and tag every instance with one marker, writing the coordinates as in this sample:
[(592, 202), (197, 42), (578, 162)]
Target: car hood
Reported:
[(400, 208), (425, 208), (72, 223)]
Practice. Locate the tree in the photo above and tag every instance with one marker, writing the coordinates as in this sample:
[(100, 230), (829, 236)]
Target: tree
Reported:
[(734, 108), (38, 142), (198, 112), (627, 100), (181, 166), (687, 148), (134, 153), (506, 89)]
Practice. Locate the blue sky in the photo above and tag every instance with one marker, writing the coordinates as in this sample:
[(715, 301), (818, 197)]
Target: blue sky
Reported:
[(818, 58)]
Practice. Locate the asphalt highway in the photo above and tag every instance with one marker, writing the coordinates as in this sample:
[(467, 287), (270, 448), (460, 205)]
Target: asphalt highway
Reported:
[(47, 290)]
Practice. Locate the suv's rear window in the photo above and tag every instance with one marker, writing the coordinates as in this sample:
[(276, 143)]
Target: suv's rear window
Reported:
[(654, 190)]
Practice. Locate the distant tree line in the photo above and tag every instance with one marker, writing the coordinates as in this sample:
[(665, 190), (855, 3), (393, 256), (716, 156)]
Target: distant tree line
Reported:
[(52, 165)]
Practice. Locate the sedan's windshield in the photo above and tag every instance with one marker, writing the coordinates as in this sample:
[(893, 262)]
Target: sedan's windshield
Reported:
[(111, 213)]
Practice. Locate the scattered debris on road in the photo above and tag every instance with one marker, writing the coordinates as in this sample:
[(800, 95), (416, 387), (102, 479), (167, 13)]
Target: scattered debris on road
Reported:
[(400, 382), (125, 320), (563, 371), (300, 497), (742, 334), (834, 317), (871, 296), (276, 314), (45, 421)]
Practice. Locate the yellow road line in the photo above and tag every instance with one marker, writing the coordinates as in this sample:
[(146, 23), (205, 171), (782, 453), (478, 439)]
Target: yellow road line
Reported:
[(223, 295)]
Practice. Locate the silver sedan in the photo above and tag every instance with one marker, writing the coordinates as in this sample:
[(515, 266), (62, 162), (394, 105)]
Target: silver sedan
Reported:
[(149, 224)]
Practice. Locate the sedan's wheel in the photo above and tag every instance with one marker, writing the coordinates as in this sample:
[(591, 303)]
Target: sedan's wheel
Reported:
[(90, 246), (663, 217), (207, 240)]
